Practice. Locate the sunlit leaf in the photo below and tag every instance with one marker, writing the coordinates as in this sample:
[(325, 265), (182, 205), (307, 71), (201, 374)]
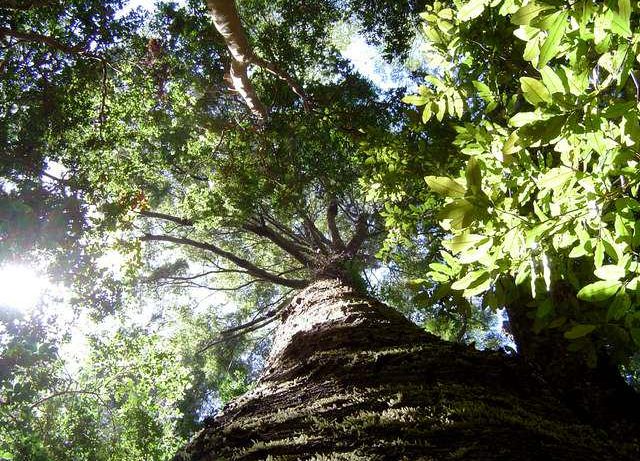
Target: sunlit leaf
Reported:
[(445, 186), (599, 291), (549, 48), (528, 13), (534, 91)]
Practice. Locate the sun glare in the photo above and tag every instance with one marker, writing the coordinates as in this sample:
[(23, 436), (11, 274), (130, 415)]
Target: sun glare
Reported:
[(21, 287)]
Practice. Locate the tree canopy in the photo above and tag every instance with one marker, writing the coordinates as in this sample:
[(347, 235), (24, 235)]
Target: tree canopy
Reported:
[(230, 148)]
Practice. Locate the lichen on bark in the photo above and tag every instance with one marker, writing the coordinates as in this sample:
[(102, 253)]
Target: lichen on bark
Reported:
[(350, 378)]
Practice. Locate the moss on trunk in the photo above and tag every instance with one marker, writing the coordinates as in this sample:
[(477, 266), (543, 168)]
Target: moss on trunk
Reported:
[(351, 379)]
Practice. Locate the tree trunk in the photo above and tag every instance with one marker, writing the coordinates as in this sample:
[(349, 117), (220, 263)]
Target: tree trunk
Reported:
[(598, 394), (349, 378)]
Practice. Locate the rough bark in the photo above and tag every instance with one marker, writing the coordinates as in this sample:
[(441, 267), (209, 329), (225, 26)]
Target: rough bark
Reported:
[(349, 378)]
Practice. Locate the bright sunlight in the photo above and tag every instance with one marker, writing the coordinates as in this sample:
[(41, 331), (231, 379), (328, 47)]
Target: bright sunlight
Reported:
[(21, 287)]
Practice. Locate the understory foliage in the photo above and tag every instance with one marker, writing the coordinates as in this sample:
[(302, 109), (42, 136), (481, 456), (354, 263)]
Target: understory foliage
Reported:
[(543, 97)]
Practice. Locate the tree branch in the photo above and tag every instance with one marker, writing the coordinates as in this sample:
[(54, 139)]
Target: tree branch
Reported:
[(167, 217), (227, 21), (336, 240), (287, 245), (247, 327), (318, 237), (360, 235), (251, 268), (46, 40), (288, 232), (282, 75)]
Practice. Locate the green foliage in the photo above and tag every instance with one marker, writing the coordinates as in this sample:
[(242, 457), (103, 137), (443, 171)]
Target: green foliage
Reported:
[(552, 182)]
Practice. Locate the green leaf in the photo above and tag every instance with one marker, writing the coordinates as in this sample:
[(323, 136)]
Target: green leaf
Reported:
[(598, 256), (551, 80), (464, 241), (624, 9), (578, 331), (510, 146), (442, 268), (426, 113), (445, 186), (534, 91), (620, 26), (549, 48), (415, 100), (621, 228), (528, 13), (599, 291), (610, 272), (522, 273), (474, 176), (556, 178), (545, 308), (469, 256), (524, 118), (441, 107), (485, 93), (480, 285), (619, 307), (472, 9), (459, 213), (620, 20), (634, 284), (468, 279)]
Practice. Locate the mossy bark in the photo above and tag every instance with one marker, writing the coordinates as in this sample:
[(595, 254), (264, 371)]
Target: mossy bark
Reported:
[(351, 379)]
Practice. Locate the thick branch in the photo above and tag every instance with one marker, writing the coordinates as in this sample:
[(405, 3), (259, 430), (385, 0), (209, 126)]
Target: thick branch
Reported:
[(285, 231), (227, 21), (251, 268), (336, 240), (287, 245), (322, 242), (360, 235), (244, 87), (45, 40)]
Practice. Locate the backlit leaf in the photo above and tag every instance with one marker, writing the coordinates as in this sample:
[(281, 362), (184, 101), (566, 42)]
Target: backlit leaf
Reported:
[(549, 48), (445, 186), (534, 91), (599, 291)]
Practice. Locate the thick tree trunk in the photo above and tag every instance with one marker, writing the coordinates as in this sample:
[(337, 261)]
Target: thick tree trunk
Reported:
[(598, 394), (351, 379)]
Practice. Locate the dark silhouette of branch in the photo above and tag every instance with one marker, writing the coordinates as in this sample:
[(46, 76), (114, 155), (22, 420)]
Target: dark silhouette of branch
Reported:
[(336, 240), (288, 232), (360, 235), (167, 217), (287, 245), (252, 325), (47, 40), (251, 268), (322, 242), (67, 392)]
